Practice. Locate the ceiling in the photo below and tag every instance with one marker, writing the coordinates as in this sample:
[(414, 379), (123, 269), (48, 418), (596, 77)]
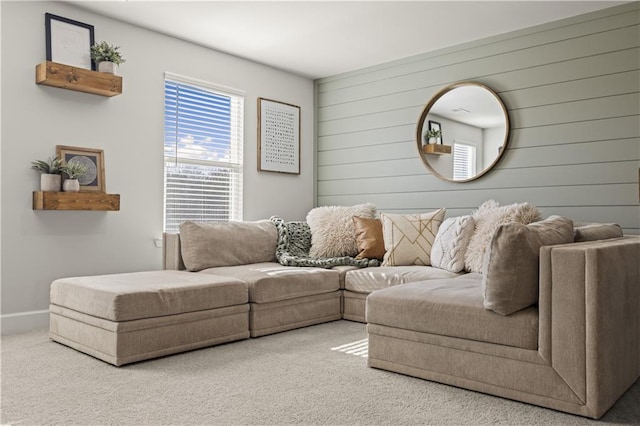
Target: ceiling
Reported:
[(323, 38)]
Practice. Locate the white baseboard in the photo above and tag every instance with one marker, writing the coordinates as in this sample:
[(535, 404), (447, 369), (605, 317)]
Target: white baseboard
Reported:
[(24, 321)]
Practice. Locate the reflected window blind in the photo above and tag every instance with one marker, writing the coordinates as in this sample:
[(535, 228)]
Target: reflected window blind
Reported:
[(203, 142), (464, 161)]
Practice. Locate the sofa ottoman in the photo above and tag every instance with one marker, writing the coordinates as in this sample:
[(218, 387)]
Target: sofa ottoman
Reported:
[(124, 318)]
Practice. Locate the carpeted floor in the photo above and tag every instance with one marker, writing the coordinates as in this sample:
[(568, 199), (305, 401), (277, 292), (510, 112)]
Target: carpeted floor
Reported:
[(314, 375)]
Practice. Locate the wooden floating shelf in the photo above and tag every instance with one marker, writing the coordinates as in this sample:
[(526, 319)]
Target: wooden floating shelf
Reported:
[(75, 201), (79, 79), (436, 149)]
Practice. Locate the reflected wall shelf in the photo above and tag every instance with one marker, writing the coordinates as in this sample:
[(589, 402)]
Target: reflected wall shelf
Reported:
[(75, 201), (79, 79), (436, 149)]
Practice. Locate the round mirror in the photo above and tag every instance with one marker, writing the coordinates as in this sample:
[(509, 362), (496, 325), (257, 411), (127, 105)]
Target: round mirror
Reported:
[(463, 132)]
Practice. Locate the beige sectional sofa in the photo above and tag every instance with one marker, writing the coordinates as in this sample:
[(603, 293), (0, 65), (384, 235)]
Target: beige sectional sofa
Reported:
[(576, 350)]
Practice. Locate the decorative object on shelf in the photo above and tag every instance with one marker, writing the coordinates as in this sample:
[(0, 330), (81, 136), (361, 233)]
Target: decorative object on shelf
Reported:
[(431, 136), (107, 57), (93, 179), (69, 42), (278, 137), (436, 129), (74, 170), (50, 178), (80, 80)]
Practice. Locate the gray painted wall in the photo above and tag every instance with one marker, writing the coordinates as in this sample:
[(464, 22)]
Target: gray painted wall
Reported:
[(572, 89), (40, 246)]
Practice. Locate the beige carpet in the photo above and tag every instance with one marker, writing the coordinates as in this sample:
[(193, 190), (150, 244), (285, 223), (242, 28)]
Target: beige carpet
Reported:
[(315, 375)]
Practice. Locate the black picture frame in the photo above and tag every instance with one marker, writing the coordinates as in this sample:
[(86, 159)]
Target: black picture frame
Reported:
[(434, 125), (66, 40)]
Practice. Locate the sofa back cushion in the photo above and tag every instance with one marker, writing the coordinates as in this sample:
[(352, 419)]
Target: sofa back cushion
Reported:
[(510, 270), (596, 231), (213, 244)]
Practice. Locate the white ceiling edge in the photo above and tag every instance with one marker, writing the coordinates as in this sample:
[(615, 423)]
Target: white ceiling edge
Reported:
[(316, 39)]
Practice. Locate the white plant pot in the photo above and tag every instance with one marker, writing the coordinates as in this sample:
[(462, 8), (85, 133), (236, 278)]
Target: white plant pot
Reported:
[(433, 141), (108, 67), (71, 185), (50, 182)]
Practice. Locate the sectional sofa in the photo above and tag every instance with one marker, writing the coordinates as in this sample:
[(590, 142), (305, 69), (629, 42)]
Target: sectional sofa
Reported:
[(575, 348)]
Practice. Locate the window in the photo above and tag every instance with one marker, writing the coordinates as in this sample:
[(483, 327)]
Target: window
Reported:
[(203, 143), (464, 161)]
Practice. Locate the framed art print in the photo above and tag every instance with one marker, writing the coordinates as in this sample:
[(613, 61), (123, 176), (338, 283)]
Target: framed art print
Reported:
[(69, 42), (278, 137), (93, 179)]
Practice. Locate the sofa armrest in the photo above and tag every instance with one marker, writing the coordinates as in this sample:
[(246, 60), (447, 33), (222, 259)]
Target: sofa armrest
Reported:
[(590, 317), (171, 254)]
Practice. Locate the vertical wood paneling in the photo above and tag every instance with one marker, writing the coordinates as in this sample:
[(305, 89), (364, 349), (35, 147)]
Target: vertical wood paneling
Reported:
[(572, 89)]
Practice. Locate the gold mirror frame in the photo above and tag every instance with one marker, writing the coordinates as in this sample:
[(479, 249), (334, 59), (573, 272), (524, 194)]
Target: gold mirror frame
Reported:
[(423, 119)]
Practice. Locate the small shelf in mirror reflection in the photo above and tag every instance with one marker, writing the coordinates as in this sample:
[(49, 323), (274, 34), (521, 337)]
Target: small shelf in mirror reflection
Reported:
[(436, 149)]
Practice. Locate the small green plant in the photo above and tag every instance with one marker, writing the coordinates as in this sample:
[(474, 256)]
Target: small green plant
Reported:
[(52, 167), (104, 51), (433, 133), (74, 169)]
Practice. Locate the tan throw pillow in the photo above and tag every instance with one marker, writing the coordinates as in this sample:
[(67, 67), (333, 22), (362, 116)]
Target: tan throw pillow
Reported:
[(212, 244), (451, 243), (369, 238), (511, 265), (332, 231), (488, 217), (408, 237)]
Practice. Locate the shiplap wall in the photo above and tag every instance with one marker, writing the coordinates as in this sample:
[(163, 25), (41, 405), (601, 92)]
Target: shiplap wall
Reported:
[(572, 89)]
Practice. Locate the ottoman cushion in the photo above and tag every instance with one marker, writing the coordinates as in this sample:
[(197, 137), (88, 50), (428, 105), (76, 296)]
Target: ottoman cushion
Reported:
[(272, 282), (131, 296)]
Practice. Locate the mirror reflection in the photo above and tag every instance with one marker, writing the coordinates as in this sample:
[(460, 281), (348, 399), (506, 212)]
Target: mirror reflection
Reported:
[(463, 131)]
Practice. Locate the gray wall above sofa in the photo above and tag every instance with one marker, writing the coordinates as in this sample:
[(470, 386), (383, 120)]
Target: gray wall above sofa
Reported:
[(572, 89)]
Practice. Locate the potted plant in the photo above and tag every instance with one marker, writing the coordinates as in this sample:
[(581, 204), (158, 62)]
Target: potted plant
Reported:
[(107, 57), (73, 170), (51, 170), (431, 136)]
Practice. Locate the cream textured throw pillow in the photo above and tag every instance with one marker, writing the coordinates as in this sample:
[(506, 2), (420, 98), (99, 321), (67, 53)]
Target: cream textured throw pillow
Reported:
[(488, 217), (451, 243), (408, 237), (332, 230)]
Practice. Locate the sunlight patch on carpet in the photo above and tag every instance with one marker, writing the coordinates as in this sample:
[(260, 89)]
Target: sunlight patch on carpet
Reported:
[(359, 348)]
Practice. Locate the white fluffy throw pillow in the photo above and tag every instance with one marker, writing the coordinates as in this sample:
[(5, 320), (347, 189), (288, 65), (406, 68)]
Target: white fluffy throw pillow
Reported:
[(489, 216), (408, 237), (451, 243), (332, 230)]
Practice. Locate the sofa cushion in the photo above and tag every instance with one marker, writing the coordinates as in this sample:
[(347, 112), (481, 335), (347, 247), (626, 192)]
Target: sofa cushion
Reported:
[(511, 268), (369, 238), (271, 282), (408, 237), (294, 240), (487, 218), (332, 232), (595, 231), (212, 244), (451, 307), (372, 279), (138, 295), (451, 243)]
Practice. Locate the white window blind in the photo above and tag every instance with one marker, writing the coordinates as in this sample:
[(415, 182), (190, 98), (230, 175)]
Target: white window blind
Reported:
[(203, 143), (464, 161)]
